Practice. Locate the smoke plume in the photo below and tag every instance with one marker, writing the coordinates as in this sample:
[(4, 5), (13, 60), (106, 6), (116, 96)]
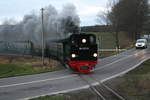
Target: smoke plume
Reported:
[(56, 25)]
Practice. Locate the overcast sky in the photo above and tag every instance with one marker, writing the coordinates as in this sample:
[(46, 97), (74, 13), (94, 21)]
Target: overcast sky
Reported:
[(86, 9)]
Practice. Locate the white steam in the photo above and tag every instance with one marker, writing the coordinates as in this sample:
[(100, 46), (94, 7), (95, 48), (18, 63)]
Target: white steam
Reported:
[(56, 25)]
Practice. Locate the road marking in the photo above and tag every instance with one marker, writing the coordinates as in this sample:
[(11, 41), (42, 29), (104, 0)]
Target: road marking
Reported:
[(136, 53), (87, 86), (63, 91), (126, 71), (68, 76), (112, 63), (38, 81)]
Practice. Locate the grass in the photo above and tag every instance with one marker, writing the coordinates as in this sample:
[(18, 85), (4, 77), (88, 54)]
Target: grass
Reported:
[(107, 40), (19, 66), (11, 70), (136, 84), (104, 54), (13, 66)]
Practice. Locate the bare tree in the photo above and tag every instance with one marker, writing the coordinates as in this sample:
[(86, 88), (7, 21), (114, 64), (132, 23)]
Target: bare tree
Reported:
[(102, 16), (146, 26), (107, 17), (129, 16)]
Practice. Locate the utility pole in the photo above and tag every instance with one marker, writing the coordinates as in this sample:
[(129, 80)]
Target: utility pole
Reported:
[(42, 12)]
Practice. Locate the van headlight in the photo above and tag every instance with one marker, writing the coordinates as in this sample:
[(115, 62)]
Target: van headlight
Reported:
[(73, 55), (143, 44), (136, 44), (95, 55)]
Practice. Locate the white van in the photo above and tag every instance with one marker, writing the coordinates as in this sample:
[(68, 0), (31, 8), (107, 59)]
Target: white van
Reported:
[(141, 43)]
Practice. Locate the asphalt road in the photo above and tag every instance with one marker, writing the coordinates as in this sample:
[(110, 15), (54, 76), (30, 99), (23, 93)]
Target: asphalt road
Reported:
[(25, 87)]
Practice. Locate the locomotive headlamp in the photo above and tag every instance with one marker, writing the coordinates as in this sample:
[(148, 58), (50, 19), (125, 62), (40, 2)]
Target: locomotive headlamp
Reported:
[(95, 55), (73, 55), (83, 40)]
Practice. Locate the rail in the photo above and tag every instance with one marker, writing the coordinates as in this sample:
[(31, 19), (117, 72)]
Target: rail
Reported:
[(102, 91)]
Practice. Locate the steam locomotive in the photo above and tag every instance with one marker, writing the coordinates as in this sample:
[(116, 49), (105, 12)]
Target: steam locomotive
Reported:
[(79, 52)]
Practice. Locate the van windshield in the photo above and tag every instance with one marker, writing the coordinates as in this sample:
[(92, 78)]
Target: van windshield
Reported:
[(140, 41)]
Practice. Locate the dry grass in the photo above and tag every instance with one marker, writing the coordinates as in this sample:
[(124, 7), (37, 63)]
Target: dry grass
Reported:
[(11, 66), (36, 63)]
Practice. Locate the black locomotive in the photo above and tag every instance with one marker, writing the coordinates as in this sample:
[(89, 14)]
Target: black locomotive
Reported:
[(79, 51)]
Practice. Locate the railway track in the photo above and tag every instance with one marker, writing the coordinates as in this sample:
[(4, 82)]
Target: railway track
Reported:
[(102, 91)]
